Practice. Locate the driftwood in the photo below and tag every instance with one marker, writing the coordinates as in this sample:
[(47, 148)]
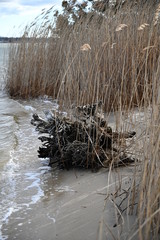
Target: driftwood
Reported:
[(85, 141)]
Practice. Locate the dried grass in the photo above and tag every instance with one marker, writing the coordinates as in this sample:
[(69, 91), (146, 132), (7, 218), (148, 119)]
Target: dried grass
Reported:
[(142, 26), (114, 63), (121, 27), (85, 47), (157, 15)]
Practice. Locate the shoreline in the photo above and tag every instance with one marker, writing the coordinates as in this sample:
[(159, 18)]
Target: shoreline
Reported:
[(73, 209)]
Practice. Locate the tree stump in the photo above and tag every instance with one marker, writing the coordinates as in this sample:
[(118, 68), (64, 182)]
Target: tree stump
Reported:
[(83, 142)]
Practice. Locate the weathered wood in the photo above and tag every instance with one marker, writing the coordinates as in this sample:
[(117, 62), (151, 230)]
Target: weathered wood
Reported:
[(86, 143)]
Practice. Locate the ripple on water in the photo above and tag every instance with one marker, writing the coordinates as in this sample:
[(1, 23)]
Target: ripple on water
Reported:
[(21, 173)]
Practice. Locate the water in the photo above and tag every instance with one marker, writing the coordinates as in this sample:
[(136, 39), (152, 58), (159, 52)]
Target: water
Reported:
[(21, 172)]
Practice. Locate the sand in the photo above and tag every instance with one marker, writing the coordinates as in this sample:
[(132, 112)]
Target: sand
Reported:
[(76, 206)]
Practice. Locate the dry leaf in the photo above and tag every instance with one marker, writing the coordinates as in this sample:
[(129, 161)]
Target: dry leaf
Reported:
[(113, 45), (120, 27), (142, 26), (146, 48), (85, 47)]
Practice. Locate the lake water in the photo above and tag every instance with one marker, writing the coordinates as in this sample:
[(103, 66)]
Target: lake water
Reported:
[(21, 172)]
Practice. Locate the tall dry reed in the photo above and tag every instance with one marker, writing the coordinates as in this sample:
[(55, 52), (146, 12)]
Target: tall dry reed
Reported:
[(118, 69)]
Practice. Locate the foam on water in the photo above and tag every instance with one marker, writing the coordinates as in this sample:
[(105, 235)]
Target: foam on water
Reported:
[(35, 183), (14, 197), (29, 108), (8, 193), (64, 189), (21, 172), (19, 175)]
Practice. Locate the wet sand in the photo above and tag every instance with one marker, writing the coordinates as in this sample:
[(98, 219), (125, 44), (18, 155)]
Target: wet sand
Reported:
[(73, 207)]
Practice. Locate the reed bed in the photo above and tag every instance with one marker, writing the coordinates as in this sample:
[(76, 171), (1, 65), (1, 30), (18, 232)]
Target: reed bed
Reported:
[(114, 59), (118, 68)]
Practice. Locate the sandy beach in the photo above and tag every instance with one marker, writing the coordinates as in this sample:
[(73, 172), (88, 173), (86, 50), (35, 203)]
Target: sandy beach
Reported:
[(76, 206)]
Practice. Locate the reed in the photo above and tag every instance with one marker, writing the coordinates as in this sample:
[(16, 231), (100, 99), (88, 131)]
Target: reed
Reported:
[(118, 69), (116, 61)]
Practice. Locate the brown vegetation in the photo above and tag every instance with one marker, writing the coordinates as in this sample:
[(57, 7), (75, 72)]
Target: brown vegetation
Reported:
[(119, 68)]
